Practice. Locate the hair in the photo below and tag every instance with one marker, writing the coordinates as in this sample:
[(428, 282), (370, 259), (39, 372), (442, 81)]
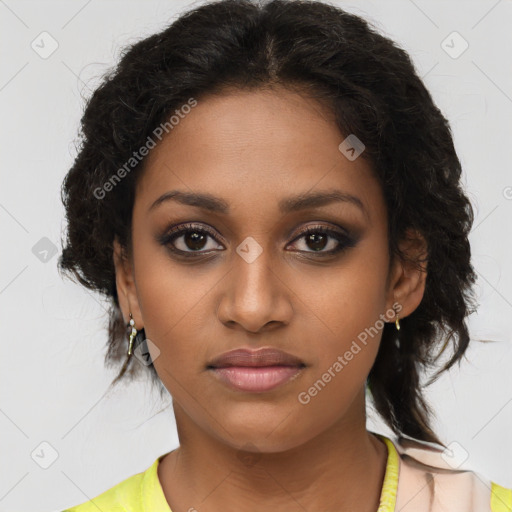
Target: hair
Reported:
[(370, 86)]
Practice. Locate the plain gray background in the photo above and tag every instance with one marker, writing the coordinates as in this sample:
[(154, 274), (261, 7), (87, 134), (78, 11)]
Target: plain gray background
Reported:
[(53, 331)]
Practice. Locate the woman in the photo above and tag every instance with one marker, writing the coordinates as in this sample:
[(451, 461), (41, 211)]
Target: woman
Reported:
[(271, 200)]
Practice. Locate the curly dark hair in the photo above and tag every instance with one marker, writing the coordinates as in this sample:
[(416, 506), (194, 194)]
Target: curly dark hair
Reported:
[(373, 91)]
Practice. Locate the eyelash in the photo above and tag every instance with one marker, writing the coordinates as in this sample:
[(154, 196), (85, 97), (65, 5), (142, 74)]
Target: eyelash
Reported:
[(345, 242)]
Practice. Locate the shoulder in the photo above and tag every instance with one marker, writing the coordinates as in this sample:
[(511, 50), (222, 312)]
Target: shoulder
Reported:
[(126, 495), (433, 479)]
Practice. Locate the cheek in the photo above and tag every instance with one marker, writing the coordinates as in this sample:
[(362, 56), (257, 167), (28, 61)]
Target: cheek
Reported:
[(346, 343), (170, 299), (344, 314), (346, 299)]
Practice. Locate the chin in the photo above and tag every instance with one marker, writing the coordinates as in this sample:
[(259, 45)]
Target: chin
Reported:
[(262, 439)]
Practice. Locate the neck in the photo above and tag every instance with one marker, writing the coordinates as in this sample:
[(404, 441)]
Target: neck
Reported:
[(340, 469)]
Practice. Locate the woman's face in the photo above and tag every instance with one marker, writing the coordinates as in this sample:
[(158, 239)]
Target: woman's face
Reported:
[(254, 279)]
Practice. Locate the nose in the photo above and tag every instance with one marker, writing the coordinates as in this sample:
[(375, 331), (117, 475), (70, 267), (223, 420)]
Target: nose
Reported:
[(254, 298)]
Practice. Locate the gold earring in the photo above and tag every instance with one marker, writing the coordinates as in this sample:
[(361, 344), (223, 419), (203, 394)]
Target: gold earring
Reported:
[(132, 334), (397, 323)]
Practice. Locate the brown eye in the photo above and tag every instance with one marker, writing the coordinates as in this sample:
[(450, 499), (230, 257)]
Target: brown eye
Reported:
[(318, 238), (188, 239), (193, 240)]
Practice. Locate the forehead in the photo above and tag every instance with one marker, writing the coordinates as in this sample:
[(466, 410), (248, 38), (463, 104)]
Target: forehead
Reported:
[(244, 146)]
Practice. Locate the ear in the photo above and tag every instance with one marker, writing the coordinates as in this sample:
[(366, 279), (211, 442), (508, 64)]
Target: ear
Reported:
[(125, 284), (407, 281)]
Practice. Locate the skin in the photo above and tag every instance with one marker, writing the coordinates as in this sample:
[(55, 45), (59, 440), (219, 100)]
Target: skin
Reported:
[(249, 451)]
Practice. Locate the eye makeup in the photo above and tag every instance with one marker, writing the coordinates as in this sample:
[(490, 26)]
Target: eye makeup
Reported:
[(191, 236)]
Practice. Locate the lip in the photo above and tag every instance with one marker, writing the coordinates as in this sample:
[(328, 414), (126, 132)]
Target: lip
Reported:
[(263, 357), (256, 371), (256, 379)]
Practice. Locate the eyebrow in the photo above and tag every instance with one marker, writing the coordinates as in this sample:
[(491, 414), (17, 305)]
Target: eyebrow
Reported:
[(287, 205)]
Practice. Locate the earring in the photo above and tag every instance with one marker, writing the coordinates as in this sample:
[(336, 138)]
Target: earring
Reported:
[(397, 323), (132, 334)]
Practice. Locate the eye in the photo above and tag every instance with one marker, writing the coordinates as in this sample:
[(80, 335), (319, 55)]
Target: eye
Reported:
[(188, 238), (317, 238)]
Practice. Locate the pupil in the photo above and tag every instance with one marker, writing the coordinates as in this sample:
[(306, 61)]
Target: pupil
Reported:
[(315, 238)]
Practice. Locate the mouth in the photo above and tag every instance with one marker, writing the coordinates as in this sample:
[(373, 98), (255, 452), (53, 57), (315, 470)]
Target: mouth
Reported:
[(256, 371), (263, 357)]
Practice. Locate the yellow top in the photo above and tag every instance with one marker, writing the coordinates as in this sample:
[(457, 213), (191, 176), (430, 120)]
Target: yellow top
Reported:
[(143, 493)]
